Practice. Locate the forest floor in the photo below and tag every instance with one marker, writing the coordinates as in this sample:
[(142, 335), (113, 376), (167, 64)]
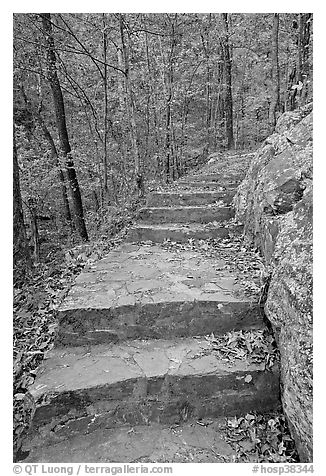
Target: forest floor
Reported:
[(251, 437)]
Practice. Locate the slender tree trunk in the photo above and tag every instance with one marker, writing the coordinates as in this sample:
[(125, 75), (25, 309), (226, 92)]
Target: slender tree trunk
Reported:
[(34, 229), (138, 165), (207, 50), (170, 168), (228, 81), (120, 80), (105, 141), (21, 255), (303, 73), (151, 113), (62, 127), (275, 101), (298, 84)]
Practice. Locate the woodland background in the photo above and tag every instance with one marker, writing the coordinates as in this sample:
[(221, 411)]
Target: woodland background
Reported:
[(108, 106)]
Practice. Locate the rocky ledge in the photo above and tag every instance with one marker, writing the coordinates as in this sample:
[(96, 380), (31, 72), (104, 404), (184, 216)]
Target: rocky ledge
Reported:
[(275, 204)]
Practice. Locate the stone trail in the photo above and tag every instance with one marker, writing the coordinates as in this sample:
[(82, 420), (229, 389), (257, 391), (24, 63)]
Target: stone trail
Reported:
[(132, 376)]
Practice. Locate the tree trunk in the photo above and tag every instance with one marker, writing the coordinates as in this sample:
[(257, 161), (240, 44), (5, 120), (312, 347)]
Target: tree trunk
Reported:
[(228, 83), (62, 127), (34, 229), (275, 101), (55, 157), (105, 141), (138, 165), (21, 252), (207, 50), (303, 73), (300, 74), (170, 167)]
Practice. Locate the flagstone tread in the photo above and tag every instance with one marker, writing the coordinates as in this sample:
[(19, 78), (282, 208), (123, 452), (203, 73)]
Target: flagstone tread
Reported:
[(202, 185), (145, 291), (180, 232), (211, 177), (157, 199), (140, 381), (150, 272), (81, 368), (191, 442)]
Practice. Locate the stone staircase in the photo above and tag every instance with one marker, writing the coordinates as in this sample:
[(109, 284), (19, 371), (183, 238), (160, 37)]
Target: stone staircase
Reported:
[(133, 377)]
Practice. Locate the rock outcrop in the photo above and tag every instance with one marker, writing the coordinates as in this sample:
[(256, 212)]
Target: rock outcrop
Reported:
[(275, 204)]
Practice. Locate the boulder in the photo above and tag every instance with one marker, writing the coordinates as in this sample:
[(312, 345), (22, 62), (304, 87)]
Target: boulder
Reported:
[(275, 204)]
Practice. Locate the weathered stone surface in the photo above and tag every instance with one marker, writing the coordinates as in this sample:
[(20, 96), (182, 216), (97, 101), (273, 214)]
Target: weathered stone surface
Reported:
[(275, 204), (205, 214), (278, 175), (189, 443), (167, 381), (148, 292), (168, 199), (289, 308), (180, 233), (218, 178)]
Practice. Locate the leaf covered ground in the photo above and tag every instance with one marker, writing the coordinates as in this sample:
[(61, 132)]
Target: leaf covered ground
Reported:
[(257, 346), (261, 439)]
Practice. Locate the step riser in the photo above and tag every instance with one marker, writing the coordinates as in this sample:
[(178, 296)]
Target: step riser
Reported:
[(158, 236), (163, 320), (168, 400), (218, 178), (212, 186), (193, 199), (185, 215)]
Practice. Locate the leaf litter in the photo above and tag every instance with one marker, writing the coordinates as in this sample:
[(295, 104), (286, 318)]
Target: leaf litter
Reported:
[(35, 303), (260, 438), (258, 346)]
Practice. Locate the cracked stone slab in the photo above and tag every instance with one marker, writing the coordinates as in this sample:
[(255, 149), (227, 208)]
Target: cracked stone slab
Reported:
[(191, 442), (79, 389), (167, 199), (201, 185), (148, 292)]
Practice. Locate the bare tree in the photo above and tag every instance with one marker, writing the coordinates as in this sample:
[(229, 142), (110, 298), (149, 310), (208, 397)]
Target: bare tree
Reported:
[(138, 164), (228, 82), (22, 258), (275, 100)]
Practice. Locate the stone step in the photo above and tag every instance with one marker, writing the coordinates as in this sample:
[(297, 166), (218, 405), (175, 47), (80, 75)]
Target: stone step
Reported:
[(202, 185), (212, 177), (180, 233), (145, 292), (168, 199), (190, 442), (203, 214), (79, 389)]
